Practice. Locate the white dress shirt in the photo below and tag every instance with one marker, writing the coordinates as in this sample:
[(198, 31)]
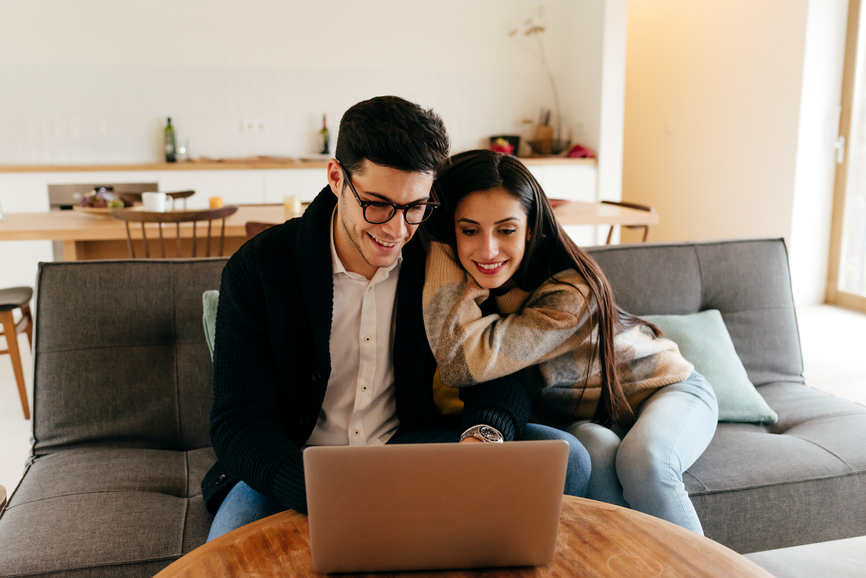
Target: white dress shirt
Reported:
[(360, 405)]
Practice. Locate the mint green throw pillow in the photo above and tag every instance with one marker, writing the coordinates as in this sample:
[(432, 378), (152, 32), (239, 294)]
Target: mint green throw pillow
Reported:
[(704, 340), (210, 300)]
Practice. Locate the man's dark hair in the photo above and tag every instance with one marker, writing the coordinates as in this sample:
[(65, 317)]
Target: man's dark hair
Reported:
[(392, 132)]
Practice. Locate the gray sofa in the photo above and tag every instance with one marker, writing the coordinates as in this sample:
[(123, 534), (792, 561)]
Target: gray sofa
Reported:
[(122, 394)]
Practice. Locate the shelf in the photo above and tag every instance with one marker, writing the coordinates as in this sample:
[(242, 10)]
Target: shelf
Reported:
[(234, 165)]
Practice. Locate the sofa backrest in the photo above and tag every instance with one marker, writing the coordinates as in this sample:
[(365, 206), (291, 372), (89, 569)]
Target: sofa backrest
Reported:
[(748, 281), (120, 357)]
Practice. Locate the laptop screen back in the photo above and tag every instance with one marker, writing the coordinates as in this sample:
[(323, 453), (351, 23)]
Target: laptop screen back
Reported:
[(434, 506)]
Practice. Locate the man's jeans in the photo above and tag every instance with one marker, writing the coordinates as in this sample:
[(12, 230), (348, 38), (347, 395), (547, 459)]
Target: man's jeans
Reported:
[(642, 468), (244, 505)]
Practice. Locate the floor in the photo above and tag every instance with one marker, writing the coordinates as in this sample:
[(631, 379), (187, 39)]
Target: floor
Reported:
[(832, 339)]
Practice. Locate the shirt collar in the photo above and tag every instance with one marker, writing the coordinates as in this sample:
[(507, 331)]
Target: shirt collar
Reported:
[(338, 267)]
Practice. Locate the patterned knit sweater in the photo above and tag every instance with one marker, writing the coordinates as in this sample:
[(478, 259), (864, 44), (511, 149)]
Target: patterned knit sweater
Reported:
[(549, 329)]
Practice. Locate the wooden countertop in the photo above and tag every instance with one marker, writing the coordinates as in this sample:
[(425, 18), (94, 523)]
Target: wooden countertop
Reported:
[(257, 163), (76, 226)]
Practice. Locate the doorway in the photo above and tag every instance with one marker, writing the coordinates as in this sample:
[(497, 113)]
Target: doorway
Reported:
[(846, 281)]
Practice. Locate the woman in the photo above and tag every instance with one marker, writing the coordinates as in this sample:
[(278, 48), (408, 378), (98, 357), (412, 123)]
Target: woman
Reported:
[(506, 289)]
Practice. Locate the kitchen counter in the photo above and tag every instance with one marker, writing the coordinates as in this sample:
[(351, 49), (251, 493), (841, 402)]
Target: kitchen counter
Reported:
[(24, 190), (236, 164)]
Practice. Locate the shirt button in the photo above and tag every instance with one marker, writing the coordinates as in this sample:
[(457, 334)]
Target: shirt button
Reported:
[(367, 339), (357, 433), (364, 387)]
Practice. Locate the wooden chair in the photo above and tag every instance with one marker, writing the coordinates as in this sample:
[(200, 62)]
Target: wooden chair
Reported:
[(11, 299), (255, 227), (646, 228), (176, 217)]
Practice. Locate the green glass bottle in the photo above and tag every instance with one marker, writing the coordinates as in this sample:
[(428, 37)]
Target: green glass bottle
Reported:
[(170, 143), (325, 136)]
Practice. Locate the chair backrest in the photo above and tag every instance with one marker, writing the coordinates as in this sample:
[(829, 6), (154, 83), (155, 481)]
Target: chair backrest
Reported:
[(646, 228), (255, 227), (176, 217)]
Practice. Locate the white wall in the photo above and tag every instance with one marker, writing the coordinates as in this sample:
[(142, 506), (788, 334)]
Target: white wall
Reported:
[(711, 115), (728, 115), (816, 158), (93, 80)]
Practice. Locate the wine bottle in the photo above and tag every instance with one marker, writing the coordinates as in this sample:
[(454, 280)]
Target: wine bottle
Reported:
[(325, 136), (170, 144)]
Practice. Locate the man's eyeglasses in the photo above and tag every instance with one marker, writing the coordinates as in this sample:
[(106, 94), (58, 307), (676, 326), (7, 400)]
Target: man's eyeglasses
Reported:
[(378, 212)]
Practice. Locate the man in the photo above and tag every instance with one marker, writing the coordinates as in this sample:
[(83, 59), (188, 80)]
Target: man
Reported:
[(320, 337)]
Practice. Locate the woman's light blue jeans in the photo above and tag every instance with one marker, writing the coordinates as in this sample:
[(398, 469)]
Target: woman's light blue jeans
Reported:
[(244, 505), (642, 468)]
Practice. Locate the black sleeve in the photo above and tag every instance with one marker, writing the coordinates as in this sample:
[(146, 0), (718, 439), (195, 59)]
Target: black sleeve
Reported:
[(503, 403), (247, 433)]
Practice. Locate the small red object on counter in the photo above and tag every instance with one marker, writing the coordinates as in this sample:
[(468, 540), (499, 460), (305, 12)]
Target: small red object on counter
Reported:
[(501, 145), (580, 152)]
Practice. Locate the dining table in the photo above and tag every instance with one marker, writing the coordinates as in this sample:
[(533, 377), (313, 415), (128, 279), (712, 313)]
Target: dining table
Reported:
[(88, 236)]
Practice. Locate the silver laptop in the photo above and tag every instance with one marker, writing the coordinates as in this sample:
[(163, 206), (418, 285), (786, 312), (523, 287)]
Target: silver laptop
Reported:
[(434, 506)]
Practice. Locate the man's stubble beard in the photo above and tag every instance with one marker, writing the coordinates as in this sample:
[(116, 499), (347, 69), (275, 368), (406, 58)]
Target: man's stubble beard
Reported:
[(342, 210)]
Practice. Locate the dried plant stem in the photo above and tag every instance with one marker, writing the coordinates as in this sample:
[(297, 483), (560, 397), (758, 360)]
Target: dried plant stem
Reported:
[(543, 58)]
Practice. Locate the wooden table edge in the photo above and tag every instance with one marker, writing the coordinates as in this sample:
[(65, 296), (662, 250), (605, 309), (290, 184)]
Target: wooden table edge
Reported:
[(575, 512)]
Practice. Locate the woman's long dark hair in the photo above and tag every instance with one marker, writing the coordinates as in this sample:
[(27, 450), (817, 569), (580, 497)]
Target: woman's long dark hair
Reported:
[(549, 250)]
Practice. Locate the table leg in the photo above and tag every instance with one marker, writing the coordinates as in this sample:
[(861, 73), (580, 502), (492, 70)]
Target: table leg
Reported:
[(70, 251)]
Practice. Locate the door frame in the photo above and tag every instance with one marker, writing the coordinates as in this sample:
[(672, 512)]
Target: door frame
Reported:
[(849, 83)]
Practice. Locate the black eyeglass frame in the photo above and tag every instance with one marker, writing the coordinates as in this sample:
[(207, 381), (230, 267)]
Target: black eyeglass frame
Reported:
[(433, 205)]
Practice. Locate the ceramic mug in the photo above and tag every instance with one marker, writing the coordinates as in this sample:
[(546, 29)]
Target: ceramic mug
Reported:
[(155, 202)]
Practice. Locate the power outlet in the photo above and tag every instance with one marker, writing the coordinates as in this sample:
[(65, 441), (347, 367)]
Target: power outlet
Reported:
[(252, 126)]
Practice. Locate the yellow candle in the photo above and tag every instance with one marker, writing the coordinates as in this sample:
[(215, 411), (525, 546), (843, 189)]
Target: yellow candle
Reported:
[(291, 206), (216, 202)]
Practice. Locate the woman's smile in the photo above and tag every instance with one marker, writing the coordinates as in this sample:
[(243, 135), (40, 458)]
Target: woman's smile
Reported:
[(490, 268)]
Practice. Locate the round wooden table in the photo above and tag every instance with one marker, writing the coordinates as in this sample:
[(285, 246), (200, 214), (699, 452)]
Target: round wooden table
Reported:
[(595, 540)]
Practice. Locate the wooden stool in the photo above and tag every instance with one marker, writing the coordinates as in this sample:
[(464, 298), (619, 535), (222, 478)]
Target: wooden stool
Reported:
[(11, 299)]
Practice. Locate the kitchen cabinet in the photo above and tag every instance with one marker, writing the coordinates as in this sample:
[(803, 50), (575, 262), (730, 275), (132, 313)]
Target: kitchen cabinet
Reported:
[(572, 182), (19, 259)]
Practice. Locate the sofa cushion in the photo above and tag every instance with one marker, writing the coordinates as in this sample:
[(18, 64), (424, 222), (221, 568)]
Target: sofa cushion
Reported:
[(122, 362), (704, 341), (106, 511), (210, 302), (759, 487)]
